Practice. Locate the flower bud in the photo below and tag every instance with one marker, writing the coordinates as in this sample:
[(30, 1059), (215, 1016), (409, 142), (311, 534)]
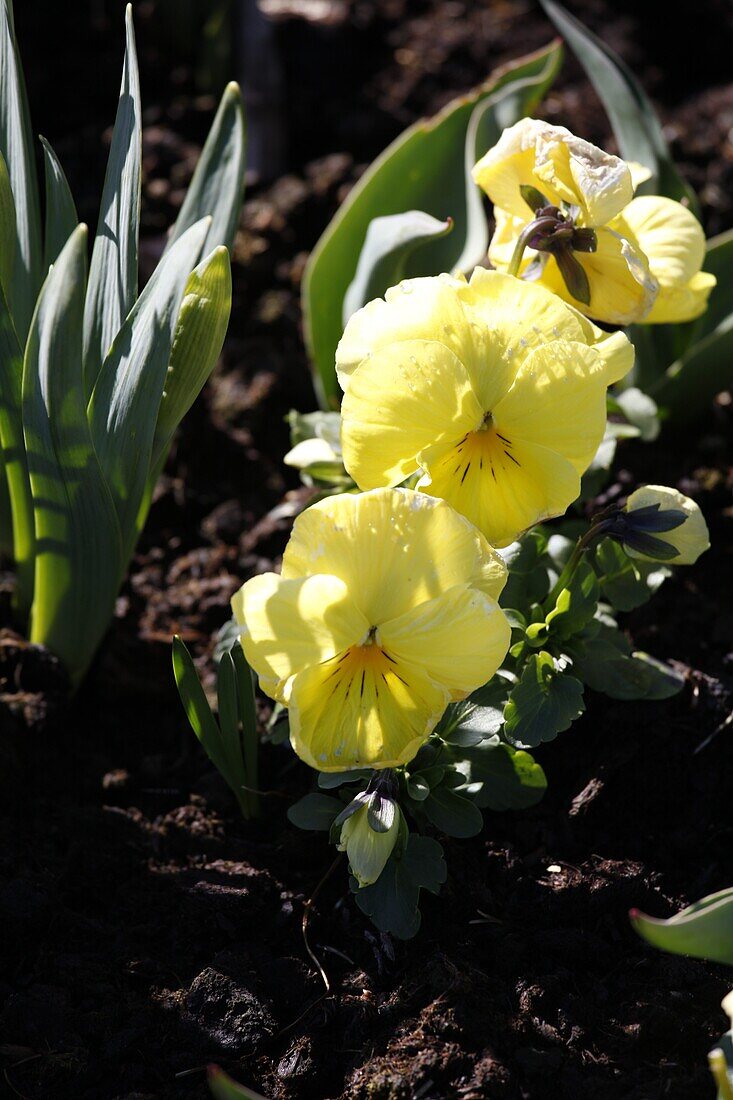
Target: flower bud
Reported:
[(664, 525), (367, 847)]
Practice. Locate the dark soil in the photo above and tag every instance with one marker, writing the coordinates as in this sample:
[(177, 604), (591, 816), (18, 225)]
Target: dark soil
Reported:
[(145, 929)]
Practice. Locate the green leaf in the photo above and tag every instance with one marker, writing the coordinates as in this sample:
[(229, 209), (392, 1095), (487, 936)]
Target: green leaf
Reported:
[(197, 708), (640, 411), (544, 703), (576, 604), (61, 216), (390, 241), (250, 730), (720, 1060), (703, 930), (607, 664), (635, 124), (392, 901), (112, 286), (14, 467), (424, 169), (510, 779), (224, 1087), (528, 580), (123, 409), (217, 187), (315, 811), (328, 781), (719, 262), (226, 683), (452, 813), (16, 146), (688, 386), (7, 228), (199, 338), (625, 583), (78, 560)]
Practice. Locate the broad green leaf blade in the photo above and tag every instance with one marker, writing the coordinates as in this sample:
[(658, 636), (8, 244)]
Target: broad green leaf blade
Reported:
[(15, 471), (123, 409), (719, 262), (635, 124), (389, 242), (7, 228), (542, 704), (423, 169), (223, 1087), (453, 814), (510, 778), (16, 147), (217, 187), (196, 705), (112, 286), (200, 331), (61, 216), (703, 930), (77, 536), (687, 388), (392, 901), (315, 811)]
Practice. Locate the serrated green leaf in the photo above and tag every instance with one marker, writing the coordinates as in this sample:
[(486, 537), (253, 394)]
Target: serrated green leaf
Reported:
[(199, 338), (542, 704), (217, 187), (315, 811), (61, 216), (112, 288), (703, 930), (510, 778), (635, 124), (196, 706), (390, 241), (78, 546), (16, 147), (123, 409), (452, 814), (425, 169), (224, 1087)]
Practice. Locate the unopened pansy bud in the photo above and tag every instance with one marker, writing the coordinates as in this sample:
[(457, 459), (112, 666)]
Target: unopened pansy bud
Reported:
[(370, 830), (661, 524), (616, 258)]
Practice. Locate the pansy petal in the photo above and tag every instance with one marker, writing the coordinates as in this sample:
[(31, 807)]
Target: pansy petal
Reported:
[(393, 549), (459, 638), (601, 181), (404, 397), (502, 489), (360, 710), (415, 309), (290, 624), (510, 164), (559, 401), (668, 233), (622, 288), (677, 304)]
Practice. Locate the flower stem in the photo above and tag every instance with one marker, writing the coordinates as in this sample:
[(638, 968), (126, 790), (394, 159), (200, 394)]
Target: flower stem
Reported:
[(583, 544), (530, 230)]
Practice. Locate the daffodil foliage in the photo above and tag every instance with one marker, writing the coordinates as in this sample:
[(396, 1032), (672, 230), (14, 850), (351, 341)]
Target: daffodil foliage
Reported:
[(94, 376)]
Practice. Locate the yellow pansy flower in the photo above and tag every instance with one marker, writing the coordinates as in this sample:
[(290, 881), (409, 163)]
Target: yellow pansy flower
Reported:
[(494, 390), (384, 613), (616, 258), (659, 514)]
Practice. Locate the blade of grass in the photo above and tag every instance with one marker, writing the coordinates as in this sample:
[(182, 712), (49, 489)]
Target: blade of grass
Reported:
[(196, 705), (15, 470)]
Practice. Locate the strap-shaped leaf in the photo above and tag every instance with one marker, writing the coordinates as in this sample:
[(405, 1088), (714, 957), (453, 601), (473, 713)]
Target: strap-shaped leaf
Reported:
[(389, 242), (217, 186), (196, 705), (112, 286), (718, 261), (229, 721), (635, 124), (200, 332), (690, 384), (77, 535), (19, 539), (123, 409), (703, 930), (16, 146), (7, 228), (248, 718), (61, 216), (423, 169)]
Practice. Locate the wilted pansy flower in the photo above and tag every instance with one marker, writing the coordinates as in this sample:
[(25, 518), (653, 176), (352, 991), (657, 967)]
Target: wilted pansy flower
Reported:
[(384, 613), (495, 390), (616, 258)]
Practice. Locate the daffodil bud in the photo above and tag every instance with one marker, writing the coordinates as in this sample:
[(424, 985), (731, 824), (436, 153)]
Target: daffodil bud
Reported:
[(661, 524), (368, 834)]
